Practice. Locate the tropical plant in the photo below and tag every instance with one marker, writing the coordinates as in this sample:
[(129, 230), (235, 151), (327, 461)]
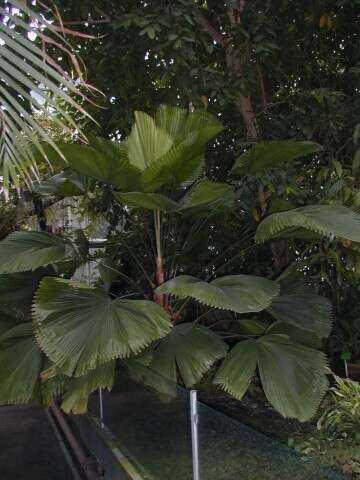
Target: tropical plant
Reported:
[(165, 318), (342, 412), (34, 86)]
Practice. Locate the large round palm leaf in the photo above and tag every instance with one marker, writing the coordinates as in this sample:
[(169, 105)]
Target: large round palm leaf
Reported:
[(293, 376), (20, 365), (190, 350), (266, 155), (147, 142), (76, 397), (102, 159), (327, 220), (22, 251), (205, 198), (304, 309), (180, 124), (170, 147), (80, 328), (17, 290), (239, 293), (65, 184), (149, 201)]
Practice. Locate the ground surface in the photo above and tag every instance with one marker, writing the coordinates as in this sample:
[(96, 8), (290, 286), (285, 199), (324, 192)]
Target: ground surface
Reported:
[(156, 432), (28, 447)]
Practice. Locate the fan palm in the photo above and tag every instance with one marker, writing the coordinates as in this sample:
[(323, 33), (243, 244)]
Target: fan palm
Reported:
[(81, 331)]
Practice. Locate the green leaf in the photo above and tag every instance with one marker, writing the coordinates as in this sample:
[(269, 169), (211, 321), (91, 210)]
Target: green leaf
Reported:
[(304, 309), (239, 293), (17, 289), (266, 155), (327, 220), (171, 147), (22, 251), (173, 168), (103, 159), (250, 326), (147, 142), (76, 398), (238, 369), (164, 150), (180, 124), (108, 271), (293, 376), (27, 67), (190, 350), (138, 367), (296, 334), (51, 389), (208, 197), (20, 365), (65, 184), (280, 205), (294, 233), (149, 201), (80, 328), (6, 322)]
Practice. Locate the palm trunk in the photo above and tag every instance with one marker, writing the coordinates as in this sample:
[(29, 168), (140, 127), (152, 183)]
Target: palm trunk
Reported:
[(159, 261)]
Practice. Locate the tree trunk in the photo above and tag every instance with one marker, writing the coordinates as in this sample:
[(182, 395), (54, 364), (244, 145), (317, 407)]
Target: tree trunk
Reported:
[(235, 59)]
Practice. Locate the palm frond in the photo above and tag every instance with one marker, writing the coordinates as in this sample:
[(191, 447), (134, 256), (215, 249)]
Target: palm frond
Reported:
[(32, 81), (266, 155), (190, 350), (22, 251), (101, 159), (239, 293), (17, 290), (207, 198), (326, 220), (20, 365), (149, 201), (293, 376), (80, 328), (64, 184), (76, 397), (304, 309)]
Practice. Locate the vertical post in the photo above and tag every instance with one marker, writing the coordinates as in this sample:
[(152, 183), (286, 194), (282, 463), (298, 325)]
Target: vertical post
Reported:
[(101, 408), (194, 418)]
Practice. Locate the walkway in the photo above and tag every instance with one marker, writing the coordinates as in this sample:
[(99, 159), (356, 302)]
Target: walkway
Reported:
[(28, 446)]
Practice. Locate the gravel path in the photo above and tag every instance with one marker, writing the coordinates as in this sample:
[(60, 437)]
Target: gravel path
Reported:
[(28, 446)]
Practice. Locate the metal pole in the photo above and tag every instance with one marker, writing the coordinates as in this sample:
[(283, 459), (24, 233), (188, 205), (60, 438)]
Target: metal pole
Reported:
[(194, 418), (87, 463), (101, 404)]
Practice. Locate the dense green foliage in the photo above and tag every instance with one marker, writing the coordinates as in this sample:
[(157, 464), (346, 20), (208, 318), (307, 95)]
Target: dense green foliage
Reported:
[(80, 330), (284, 70), (264, 148)]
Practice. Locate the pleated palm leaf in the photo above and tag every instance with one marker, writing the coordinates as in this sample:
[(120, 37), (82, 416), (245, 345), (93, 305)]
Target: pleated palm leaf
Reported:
[(81, 331)]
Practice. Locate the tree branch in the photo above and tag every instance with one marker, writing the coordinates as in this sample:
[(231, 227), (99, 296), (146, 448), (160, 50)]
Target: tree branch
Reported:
[(215, 35)]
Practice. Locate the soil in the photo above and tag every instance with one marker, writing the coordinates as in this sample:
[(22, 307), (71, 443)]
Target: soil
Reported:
[(29, 449)]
